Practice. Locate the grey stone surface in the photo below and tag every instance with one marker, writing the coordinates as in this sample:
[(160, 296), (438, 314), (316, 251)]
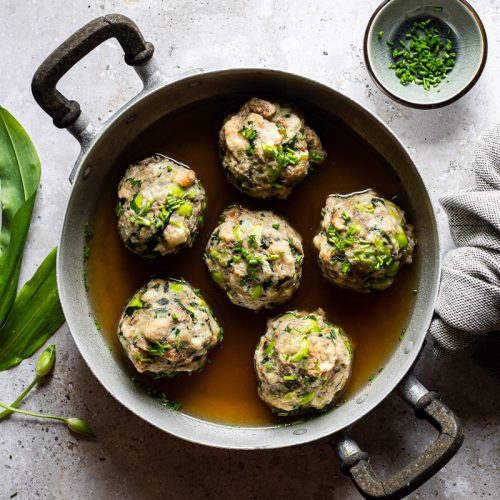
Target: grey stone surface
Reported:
[(130, 459)]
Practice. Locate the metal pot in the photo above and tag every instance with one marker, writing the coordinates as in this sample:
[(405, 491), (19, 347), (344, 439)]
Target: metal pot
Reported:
[(100, 145)]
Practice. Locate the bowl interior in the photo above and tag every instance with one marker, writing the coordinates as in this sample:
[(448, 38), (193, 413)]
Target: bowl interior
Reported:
[(394, 19)]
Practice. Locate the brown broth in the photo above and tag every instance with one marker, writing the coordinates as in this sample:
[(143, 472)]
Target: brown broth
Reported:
[(226, 390)]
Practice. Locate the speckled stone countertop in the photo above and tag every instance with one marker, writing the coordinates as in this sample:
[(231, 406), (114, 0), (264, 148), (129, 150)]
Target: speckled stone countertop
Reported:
[(131, 459)]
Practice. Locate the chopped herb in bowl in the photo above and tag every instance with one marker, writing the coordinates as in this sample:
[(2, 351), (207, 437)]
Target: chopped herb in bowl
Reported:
[(426, 56)]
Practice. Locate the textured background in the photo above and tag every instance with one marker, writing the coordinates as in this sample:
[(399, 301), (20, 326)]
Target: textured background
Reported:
[(130, 459)]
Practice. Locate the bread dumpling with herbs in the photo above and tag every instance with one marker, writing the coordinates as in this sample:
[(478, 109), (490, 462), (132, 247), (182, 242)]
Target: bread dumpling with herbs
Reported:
[(160, 207), (363, 241), (167, 329), (303, 363), (267, 149), (255, 256)]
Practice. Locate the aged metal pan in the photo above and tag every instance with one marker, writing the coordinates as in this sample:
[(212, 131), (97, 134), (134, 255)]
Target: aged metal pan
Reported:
[(100, 145)]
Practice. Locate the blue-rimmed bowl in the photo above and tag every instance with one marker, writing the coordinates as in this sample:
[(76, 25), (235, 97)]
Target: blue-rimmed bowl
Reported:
[(394, 18)]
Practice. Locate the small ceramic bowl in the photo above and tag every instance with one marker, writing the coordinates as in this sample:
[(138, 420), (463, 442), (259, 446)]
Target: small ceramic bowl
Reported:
[(394, 18)]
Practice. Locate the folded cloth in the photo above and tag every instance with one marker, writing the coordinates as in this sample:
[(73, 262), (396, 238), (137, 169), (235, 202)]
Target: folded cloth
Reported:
[(468, 304)]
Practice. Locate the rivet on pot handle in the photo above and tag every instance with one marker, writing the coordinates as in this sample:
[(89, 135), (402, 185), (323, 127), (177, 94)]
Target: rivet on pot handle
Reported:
[(137, 52), (355, 462)]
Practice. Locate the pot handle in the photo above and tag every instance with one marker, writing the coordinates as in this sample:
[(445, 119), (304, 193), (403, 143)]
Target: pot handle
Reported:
[(63, 111), (427, 405)]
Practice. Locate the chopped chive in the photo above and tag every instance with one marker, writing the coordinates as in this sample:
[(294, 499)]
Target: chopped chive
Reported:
[(426, 59), (380, 34), (402, 335), (438, 9)]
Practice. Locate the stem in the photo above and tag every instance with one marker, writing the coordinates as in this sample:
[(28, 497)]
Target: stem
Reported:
[(4, 414), (31, 414)]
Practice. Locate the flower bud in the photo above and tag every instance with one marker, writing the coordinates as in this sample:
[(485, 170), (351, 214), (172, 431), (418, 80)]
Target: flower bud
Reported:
[(46, 361), (79, 426)]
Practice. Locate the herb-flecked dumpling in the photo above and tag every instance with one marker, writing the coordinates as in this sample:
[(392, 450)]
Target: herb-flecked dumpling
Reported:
[(167, 329), (160, 207), (267, 148), (303, 363), (363, 241), (255, 256)]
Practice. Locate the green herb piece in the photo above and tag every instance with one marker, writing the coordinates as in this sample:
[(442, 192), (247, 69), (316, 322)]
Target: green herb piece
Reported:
[(217, 277), (75, 424), (250, 134), (34, 317), (290, 377), (162, 399), (237, 233), (136, 203), (365, 208), (270, 347), (426, 60), (159, 349), (276, 226), (341, 241), (303, 351), (135, 303), (389, 43), (401, 239), (185, 210), (186, 309), (346, 217), (175, 191), (284, 156), (134, 182), (256, 292), (371, 377), (316, 157), (346, 267), (252, 241), (380, 34), (402, 335), (120, 207), (438, 9), (87, 234), (349, 346), (20, 175), (97, 325)]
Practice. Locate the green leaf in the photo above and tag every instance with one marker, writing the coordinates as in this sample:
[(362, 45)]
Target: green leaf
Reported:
[(19, 180), (35, 316), (10, 261)]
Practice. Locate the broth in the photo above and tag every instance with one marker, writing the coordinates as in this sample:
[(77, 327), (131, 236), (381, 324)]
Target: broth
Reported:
[(226, 390)]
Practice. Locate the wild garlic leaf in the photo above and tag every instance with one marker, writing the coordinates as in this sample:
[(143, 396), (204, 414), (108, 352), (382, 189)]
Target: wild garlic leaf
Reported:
[(19, 180), (35, 316)]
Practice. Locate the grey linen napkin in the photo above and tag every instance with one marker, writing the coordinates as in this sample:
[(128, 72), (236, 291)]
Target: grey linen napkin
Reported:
[(468, 304)]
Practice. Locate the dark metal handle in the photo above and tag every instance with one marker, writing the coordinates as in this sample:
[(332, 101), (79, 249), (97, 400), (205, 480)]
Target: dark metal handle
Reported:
[(427, 405), (76, 47)]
